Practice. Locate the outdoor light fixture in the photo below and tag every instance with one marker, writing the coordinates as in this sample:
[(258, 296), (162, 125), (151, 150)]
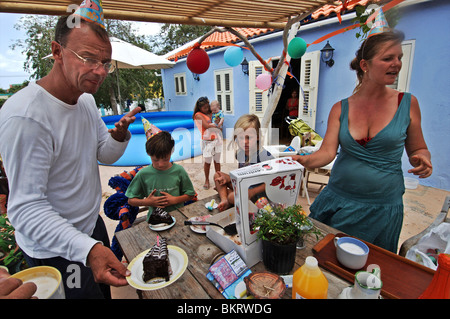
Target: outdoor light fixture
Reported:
[(244, 65), (196, 76), (327, 54)]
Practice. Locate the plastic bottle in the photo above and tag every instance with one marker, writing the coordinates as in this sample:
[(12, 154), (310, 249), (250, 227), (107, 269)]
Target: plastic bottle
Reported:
[(309, 282)]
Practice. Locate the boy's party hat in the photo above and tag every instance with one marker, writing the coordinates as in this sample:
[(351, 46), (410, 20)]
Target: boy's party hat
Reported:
[(379, 25), (91, 10), (149, 128)]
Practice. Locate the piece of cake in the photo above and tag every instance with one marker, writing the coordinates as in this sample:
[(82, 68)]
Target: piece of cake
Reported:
[(160, 216), (156, 263)]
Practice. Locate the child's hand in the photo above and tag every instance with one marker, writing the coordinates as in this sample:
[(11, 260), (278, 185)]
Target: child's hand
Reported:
[(221, 179), (156, 201), (170, 199)]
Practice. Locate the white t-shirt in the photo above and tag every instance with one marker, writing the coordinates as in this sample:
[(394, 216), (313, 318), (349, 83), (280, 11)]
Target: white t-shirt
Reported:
[(50, 151)]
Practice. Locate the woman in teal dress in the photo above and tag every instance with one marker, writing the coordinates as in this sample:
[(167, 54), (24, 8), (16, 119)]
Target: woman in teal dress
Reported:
[(372, 127)]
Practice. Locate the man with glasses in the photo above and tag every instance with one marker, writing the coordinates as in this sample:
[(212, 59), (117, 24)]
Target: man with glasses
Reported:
[(51, 137)]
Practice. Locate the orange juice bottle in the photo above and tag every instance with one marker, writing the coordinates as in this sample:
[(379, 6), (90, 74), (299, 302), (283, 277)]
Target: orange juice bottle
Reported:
[(309, 282)]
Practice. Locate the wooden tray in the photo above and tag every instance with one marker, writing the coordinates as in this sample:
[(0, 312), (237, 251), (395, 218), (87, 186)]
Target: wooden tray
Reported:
[(402, 278)]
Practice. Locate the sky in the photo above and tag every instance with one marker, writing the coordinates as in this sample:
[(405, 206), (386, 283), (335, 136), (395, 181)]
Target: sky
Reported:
[(12, 61)]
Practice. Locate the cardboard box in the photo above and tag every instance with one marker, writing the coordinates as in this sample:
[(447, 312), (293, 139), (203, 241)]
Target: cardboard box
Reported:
[(280, 178)]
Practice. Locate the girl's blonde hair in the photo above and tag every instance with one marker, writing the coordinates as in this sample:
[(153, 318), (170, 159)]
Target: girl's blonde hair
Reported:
[(243, 123)]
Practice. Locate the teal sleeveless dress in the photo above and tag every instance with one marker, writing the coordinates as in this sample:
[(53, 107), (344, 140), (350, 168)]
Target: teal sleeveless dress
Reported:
[(363, 197)]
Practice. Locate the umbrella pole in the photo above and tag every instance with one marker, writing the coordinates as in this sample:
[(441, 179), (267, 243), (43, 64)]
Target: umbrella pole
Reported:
[(118, 90)]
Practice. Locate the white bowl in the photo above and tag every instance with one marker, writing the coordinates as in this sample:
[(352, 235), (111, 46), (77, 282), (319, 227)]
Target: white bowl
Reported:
[(411, 183)]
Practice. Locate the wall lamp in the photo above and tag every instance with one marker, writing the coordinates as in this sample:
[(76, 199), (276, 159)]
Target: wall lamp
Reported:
[(244, 65), (326, 54), (196, 76)]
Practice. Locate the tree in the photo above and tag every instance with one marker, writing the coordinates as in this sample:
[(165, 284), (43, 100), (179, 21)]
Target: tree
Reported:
[(172, 36), (37, 45)]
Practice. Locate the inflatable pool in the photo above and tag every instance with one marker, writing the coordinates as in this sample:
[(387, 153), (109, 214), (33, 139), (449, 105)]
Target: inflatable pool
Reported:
[(179, 124)]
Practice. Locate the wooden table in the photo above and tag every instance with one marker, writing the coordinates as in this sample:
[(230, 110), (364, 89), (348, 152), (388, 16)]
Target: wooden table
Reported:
[(193, 284)]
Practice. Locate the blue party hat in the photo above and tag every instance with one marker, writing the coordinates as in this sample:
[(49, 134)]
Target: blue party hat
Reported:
[(92, 11), (380, 24)]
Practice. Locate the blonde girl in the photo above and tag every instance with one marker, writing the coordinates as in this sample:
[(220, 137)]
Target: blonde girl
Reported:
[(246, 139)]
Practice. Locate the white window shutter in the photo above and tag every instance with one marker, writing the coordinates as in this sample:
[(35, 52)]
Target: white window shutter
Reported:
[(309, 82), (224, 89), (258, 98)]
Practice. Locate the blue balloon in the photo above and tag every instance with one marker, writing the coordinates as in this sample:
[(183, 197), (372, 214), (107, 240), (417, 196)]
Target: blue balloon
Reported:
[(233, 56)]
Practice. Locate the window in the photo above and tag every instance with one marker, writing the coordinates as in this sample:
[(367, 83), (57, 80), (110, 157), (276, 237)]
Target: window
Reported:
[(180, 83), (402, 82), (258, 99), (224, 89)]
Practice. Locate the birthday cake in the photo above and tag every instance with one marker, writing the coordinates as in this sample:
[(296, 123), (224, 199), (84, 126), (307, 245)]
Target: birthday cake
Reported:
[(160, 216), (156, 263)]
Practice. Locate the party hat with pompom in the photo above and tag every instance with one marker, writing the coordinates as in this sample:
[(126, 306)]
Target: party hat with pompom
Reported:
[(92, 11)]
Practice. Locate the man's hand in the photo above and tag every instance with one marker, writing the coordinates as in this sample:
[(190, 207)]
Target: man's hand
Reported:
[(119, 132), (106, 267), (13, 288)]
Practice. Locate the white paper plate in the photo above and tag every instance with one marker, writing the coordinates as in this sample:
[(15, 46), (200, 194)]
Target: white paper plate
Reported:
[(178, 263), (208, 204), (199, 228), (160, 227)]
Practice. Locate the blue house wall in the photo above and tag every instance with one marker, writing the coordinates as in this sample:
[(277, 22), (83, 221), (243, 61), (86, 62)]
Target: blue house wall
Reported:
[(427, 23)]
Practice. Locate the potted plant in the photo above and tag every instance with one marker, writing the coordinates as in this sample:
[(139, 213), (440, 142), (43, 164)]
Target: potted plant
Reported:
[(10, 253), (280, 229)]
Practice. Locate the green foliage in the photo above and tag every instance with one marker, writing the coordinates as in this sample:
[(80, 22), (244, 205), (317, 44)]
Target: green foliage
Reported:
[(134, 82), (172, 36), (8, 242), (39, 31), (392, 16), (284, 225)]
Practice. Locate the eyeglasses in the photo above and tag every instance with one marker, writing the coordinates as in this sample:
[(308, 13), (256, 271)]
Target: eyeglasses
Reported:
[(94, 64), (202, 99)]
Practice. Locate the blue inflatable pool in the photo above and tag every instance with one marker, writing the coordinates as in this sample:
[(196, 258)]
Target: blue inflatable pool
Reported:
[(179, 124)]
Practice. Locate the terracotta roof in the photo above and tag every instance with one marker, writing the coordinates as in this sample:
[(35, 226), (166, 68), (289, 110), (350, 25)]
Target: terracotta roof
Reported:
[(215, 39), (328, 9)]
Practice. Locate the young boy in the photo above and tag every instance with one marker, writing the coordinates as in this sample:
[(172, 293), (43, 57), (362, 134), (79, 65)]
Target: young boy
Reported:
[(163, 183)]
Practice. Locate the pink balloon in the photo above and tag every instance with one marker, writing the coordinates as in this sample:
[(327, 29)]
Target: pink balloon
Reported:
[(263, 81)]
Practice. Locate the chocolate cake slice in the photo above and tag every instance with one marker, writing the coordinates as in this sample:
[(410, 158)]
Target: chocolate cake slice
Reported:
[(156, 263), (160, 216)]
